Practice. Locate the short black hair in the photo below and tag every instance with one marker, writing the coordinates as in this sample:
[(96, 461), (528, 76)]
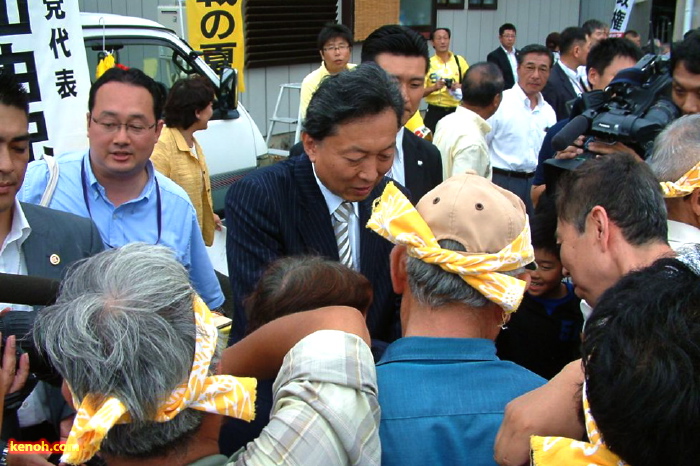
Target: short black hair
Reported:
[(604, 52), (447, 30), (625, 187), (552, 40), (537, 49), (642, 365), (12, 93), (332, 31), (395, 40), (569, 37), (631, 32), (133, 77), (593, 25), (364, 91), (543, 226), (481, 84), (506, 27), (185, 98), (687, 52)]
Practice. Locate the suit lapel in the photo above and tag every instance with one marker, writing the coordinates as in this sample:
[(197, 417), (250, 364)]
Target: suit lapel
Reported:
[(38, 247), (314, 223), (370, 241)]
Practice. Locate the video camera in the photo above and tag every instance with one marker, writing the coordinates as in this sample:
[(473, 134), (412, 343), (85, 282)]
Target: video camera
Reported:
[(633, 110)]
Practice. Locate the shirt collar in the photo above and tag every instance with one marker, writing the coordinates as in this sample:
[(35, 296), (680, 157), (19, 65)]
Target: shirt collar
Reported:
[(481, 123), (444, 349), (525, 99), (399, 144), (332, 199), (507, 52), (20, 229), (96, 189), (572, 74), (682, 232)]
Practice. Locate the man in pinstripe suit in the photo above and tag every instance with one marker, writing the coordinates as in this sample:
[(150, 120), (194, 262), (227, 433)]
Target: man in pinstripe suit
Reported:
[(289, 208)]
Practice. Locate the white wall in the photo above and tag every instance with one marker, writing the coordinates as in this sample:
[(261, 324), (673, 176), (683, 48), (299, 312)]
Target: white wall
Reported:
[(475, 32)]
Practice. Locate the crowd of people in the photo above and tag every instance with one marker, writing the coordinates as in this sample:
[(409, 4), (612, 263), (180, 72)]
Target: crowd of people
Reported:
[(395, 300)]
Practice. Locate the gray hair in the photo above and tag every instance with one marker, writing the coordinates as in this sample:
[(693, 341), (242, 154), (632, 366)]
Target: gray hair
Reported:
[(676, 149), (123, 326), (434, 287)]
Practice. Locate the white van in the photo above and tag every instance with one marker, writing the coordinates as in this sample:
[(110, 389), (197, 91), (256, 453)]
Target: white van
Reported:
[(232, 142)]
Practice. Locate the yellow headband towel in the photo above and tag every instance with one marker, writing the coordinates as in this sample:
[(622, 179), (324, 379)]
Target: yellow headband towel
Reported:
[(395, 218), (220, 394)]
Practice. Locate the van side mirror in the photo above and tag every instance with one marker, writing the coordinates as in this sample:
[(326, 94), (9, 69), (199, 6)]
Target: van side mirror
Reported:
[(228, 94)]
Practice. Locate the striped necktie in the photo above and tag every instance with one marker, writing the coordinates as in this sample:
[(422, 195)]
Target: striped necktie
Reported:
[(341, 227)]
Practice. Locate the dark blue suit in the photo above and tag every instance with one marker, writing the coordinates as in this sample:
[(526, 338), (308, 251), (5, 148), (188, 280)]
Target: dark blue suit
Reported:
[(280, 211), (558, 92)]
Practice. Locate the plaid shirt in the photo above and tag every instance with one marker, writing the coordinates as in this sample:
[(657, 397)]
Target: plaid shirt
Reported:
[(325, 406)]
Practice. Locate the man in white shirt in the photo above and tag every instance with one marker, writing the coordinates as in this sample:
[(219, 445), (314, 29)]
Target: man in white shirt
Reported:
[(519, 125), (675, 161), (564, 84), (461, 136)]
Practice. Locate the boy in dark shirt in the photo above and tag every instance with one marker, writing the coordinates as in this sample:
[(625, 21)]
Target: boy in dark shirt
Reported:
[(544, 334)]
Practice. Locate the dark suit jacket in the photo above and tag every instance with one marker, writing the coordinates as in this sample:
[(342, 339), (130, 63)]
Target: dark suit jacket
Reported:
[(280, 211), (558, 92), (67, 236), (500, 59), (422, 165)]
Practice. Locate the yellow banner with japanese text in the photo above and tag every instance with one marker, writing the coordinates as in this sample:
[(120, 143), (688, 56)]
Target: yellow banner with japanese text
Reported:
[(215, 27)]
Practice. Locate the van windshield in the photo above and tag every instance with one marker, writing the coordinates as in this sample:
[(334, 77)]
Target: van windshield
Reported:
[(155, 58)]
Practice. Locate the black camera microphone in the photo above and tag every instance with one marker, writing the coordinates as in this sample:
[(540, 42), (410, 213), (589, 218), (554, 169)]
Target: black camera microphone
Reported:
[(568, 134), (28, 290)]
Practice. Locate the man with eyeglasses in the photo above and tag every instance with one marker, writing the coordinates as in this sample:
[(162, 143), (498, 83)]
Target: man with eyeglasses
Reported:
[(505, 56), (114, 182), (519, 125), (335, 46)]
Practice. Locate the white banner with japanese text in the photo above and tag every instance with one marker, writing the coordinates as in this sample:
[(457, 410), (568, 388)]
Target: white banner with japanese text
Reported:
[(620, 17), (215, 27), (41, 42)]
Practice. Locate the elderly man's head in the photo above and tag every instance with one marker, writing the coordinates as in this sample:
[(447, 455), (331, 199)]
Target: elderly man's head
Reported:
[(125, 330), (676, 152), (461, 247)]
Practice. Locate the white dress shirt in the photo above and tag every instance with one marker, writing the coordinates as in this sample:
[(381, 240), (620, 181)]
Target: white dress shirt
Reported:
[(11, 255), (513, 62), (682, 234), (398, 170), (517, 131), (461, 139), (332, 202), (573, 77)]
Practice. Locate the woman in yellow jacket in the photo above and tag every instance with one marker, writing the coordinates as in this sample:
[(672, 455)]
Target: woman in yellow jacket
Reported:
[(177, 154)]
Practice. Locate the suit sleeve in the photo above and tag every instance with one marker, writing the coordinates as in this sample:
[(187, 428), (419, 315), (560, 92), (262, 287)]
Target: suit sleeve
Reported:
[(253, 241), (435, 158)]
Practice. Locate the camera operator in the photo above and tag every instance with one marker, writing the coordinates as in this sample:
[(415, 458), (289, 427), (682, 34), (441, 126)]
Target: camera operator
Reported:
[(604, 60), (685, 71)]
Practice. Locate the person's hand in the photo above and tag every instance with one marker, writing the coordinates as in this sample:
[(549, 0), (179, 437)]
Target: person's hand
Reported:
[(549, 410), (571, 152), (12, 378), (218, 225), (456, 85), (439, 84), (604, 148)]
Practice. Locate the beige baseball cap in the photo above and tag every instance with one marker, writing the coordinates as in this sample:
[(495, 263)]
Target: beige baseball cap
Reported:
[(469, 209)]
